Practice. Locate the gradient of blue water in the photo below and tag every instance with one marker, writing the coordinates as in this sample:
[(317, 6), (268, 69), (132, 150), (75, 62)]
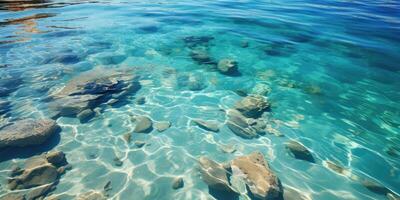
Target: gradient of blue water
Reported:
[(348, 51)]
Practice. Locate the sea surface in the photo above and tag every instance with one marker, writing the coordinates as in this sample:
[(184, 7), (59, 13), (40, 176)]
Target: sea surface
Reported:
[(329, 68)]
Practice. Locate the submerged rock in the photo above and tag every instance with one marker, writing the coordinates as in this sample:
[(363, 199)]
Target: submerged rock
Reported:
[(299, 151), (143, 125), (207, 125), (335, 167), (194, 41), (391, 196), (375, 187), (162, 126), (261, 89), (127, 137), (260, 179), (139, 144), (91, 88), (91, 195), (27, 132), (227, 66), (32, 177), (86, 115), (56, 158), (201, 56), (214, 174), (252, 106), (41, 173), (140, 100), (177, 183), (239, 125)]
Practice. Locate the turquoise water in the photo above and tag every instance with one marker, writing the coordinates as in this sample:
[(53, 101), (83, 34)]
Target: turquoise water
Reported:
[(329, 68)]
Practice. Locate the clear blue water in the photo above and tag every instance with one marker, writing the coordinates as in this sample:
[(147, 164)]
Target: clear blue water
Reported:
[(332, 68)]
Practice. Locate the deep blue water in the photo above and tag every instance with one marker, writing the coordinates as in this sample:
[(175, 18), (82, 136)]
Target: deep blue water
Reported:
[(331, 68)]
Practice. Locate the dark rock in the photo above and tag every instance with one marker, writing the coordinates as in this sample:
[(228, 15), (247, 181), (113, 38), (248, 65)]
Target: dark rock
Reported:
[(117, 162), (27, 132), (5, 107), (16, 171), (259, 178), (162, 126), (141, 100), (143, 125), (194, 41), (244, 44), (177, 183), (227, 66), (63, 58), (139, 144), (85, 115), (207, 125), (299, 151), (375, 187), (57, 158), (201, 56), (252, 106)]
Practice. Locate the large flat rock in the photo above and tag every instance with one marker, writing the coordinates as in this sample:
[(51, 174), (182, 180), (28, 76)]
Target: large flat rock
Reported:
[(27, 132)]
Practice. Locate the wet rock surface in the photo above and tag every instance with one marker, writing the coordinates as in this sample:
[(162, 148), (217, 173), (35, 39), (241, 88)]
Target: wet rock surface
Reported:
[(40, 175), (206, 124), (263, 183), (299, 151), (27, 132), (251, 170), (227, 66), (177, 183), (214, 174), (252, 106), (143, 125), (162, 126), (240, 125), (92, 88)]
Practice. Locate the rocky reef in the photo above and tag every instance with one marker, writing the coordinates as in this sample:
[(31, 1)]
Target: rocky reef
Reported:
[(90, 89), (245, 119)]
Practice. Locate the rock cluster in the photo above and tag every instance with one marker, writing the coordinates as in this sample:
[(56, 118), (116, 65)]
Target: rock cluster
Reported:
[(251, 169), (40, 176), (90, 89), (199, 52), (245, 119), (27, 132)]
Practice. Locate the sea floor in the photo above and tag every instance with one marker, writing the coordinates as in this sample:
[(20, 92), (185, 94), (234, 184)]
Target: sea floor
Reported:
[(328, 69)]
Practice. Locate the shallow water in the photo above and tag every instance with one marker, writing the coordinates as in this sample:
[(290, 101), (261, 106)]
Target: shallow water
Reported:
[(332, 68)]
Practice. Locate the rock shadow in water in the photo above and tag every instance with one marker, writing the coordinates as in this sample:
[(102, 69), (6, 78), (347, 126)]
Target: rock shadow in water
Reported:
[(222, 195)]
